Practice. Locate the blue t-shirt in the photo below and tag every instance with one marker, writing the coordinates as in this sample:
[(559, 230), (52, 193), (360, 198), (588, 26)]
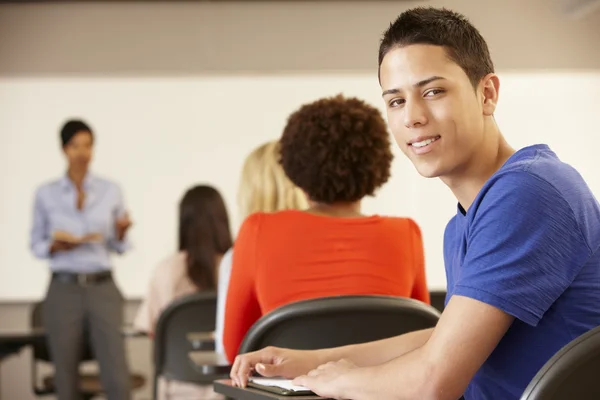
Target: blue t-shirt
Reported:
[(528, 245)]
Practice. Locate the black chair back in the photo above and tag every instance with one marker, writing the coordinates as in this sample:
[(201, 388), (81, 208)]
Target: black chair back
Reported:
[(438, 299), (193, 313), (338, 321), (572, 373)]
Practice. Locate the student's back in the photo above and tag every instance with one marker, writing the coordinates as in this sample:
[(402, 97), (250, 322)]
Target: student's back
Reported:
[(289, 256), (331, 256)]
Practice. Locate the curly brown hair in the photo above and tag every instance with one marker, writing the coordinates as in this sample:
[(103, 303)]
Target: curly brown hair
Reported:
[(336, 149)]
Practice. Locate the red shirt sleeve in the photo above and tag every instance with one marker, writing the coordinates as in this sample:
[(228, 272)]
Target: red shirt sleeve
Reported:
[(242, 308)]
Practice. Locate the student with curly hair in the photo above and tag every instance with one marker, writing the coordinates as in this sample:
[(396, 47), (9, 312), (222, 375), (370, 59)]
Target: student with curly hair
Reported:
[(337, 150)]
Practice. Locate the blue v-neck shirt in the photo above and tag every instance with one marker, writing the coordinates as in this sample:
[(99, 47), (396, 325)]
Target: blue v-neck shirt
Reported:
[(55, 209), (529, 246)]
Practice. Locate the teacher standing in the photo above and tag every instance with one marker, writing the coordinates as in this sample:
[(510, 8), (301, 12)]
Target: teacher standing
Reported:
[(78, 220)]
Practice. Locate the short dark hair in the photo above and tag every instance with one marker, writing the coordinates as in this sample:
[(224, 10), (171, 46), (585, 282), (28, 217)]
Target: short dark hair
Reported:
[(336, 149), (203, 233), (441, 27), (71, 128)]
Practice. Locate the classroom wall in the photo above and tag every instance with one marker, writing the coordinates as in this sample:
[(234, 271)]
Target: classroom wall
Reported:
[(156, 149), (180, 92)]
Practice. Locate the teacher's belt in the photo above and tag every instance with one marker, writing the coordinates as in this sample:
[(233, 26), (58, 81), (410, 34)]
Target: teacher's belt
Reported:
[(82, 279)]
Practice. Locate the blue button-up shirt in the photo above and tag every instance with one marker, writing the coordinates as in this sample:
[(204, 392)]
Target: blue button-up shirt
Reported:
[(55, 209)]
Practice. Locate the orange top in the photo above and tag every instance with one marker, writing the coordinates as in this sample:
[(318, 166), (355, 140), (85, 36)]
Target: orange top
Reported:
[(288, 256)]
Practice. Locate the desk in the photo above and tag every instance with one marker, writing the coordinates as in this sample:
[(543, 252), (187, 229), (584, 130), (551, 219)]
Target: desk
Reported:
[(12, 341), (226, 388), (131, 332), (210, 364), (201, 340)]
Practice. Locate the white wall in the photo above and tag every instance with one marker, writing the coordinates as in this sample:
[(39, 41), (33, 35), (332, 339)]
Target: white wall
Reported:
[(157, 136)]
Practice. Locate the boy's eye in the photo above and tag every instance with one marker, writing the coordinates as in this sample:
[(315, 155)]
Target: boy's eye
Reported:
[(397, 102), (433, 92)]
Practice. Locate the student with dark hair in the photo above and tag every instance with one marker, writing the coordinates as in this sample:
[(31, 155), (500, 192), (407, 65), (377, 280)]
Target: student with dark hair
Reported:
[(337, 150), (78, 220), (204, 237), (522, 253)]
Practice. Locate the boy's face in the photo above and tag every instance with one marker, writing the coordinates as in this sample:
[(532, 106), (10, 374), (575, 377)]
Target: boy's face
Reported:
[(435, 115)]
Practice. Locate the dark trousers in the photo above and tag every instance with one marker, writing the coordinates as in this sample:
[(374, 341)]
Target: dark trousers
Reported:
[(71, 311)]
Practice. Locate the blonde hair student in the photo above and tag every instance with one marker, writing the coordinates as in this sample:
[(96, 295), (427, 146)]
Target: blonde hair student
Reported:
[(265, 187)]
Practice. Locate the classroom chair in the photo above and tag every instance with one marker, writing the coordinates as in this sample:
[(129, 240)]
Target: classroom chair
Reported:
[(438, 299), (338, 321), (192, 313), (572, 373)]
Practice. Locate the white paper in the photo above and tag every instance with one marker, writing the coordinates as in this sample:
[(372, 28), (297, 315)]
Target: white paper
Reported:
[(279, 382)]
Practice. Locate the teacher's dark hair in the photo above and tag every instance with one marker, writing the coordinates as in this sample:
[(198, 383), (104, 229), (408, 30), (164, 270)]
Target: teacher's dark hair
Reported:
[(203, 234), (71, 128)]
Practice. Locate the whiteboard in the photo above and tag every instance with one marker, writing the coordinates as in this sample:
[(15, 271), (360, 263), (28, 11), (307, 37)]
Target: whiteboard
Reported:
[(158, 136)]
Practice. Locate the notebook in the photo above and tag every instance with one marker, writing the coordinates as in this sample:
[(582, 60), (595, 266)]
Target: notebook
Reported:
[(278, 385)]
